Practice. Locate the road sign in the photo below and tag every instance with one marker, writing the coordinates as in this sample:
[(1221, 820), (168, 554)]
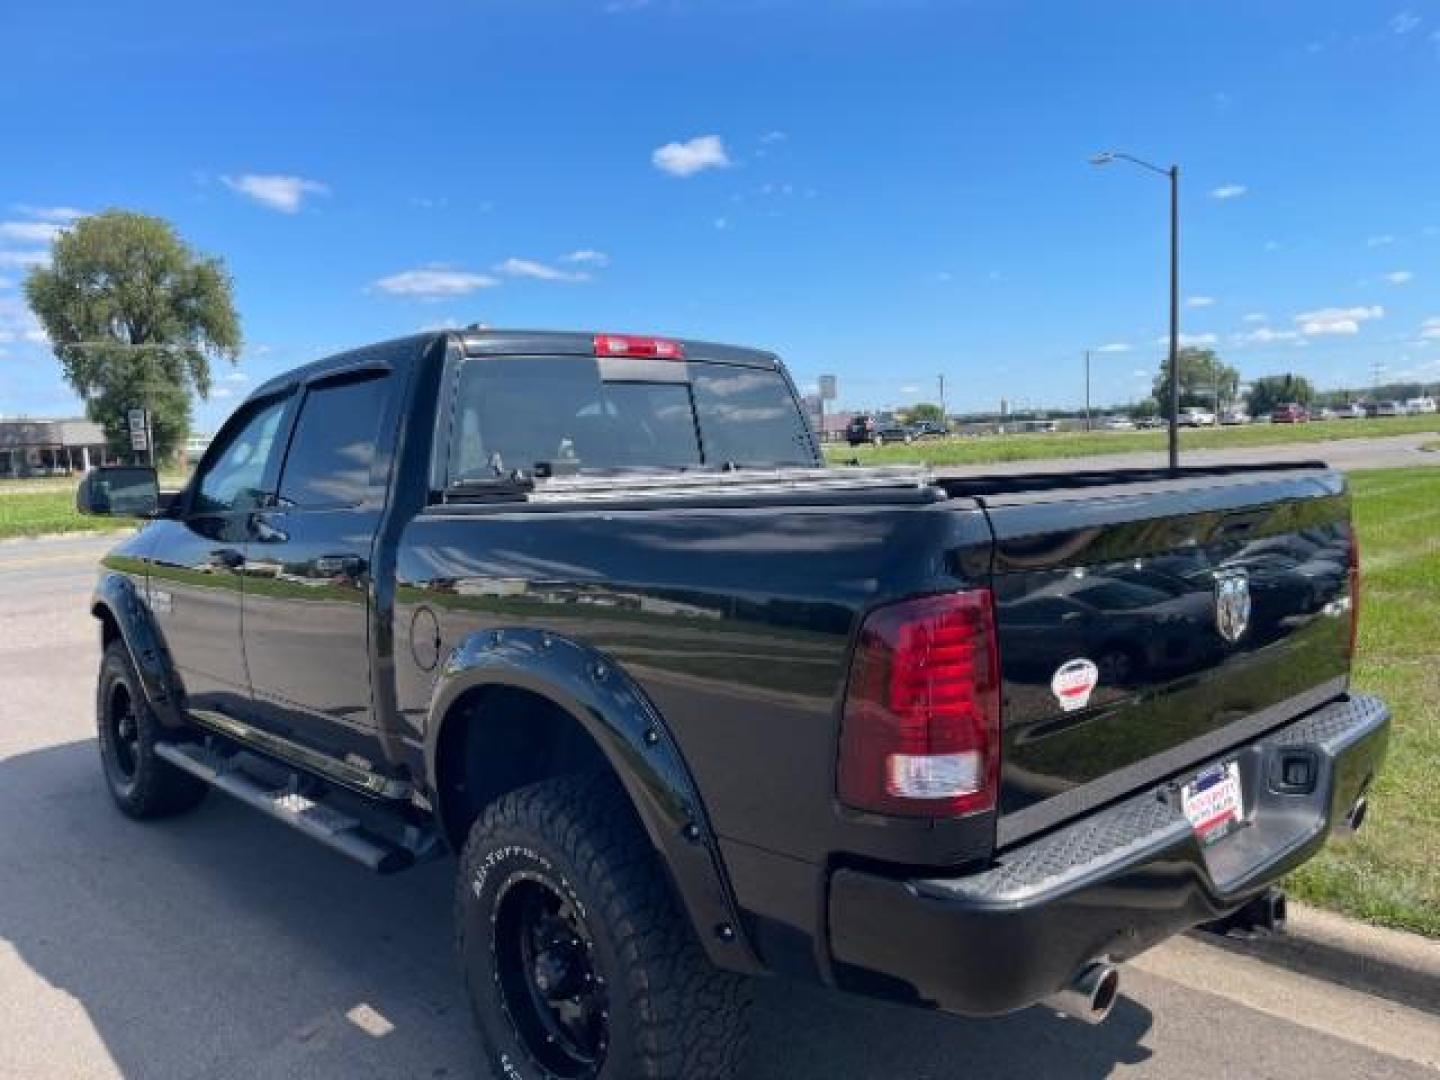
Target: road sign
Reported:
[(138, 442), (827, 387), (137, 422)]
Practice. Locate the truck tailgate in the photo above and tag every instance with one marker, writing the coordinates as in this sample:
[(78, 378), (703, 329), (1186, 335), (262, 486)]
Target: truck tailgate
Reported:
[(1146, 626)]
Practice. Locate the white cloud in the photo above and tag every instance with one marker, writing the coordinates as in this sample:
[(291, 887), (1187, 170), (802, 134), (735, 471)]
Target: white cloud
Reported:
[(1382, 240), (6, 283), (434, 283), (1405, 22), (771, 137), (29, 232), (1228, 191), (689, 158), (23, 260), (1400, 277), (1430, 329), (221, 393), (528, 268), (1266, 336), (588, 257), (61, 214), (1256, 317), (237, 377), (283, 193), (1189, 340), (1114, 347), (1336, 321), (1200, 301)]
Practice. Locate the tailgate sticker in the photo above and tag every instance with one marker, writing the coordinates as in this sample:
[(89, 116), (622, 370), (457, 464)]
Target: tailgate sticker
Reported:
[(1074, 682)]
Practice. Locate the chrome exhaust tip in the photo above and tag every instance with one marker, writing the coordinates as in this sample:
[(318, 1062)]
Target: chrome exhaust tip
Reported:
[(1091, 994)]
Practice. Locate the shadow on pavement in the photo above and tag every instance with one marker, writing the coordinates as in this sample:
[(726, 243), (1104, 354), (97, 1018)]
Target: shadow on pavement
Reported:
[(222, 945)]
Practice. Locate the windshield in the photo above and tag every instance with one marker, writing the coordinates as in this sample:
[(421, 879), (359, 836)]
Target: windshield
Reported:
[(516, 413)]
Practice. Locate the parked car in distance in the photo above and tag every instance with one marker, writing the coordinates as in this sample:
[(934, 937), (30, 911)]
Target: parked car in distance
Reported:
[(1391, 408), (1420, 406), (1289, 414), (1354, 411), (877, 430), (1117, 423), (1150, 423), (1235, 418), (1324, 414), (928, 429), (1196, 417), (589, 612)]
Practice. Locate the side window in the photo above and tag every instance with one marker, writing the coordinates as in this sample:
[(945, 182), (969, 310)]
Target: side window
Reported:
[(233, 477), (333, 448)]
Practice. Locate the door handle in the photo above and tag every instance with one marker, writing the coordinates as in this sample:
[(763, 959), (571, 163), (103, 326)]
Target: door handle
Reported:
[(265, 532)]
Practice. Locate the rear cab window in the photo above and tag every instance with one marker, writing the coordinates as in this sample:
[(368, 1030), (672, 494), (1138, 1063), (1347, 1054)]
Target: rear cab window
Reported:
[(330, 463), (519, 413)]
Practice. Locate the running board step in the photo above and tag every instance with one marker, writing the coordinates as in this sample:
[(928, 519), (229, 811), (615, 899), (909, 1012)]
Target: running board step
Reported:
[(312, 815)]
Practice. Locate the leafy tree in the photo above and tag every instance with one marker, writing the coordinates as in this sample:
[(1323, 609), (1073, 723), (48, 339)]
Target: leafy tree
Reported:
[(1202, 375), (1145, 410), (1273, 390), (135, 318), (924, 410)]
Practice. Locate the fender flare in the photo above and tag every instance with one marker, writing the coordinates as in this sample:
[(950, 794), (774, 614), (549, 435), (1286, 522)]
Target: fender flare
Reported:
[(117, 597), (612, 709)]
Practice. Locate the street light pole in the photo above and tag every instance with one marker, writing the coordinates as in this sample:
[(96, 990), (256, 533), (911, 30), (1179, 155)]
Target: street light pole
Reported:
[(1174, 439), (1173, 174), (1087, 389)]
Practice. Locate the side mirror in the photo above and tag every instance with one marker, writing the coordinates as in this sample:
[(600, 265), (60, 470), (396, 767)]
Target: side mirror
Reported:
[(119, 491)]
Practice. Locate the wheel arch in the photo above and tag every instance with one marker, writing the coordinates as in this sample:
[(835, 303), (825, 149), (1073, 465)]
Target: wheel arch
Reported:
[(124, 616), (591, 699)]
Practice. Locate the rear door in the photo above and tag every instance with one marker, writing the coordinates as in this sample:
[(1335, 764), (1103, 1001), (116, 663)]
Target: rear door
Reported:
[(1147, 627), (307, 593)]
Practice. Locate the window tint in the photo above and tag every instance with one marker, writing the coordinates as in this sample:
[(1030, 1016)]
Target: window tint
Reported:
[(513, 414), (233, 479), (333, 448), (749, 417)]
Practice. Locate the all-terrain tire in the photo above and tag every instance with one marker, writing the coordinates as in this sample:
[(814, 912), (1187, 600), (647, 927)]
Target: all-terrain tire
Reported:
[(669, 1014), (143, 784)]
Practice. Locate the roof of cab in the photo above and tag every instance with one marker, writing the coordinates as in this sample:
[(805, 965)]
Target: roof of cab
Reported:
[(477, 341)]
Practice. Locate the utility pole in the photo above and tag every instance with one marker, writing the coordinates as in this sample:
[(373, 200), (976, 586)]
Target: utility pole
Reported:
[(944, 413), (1087, 389)]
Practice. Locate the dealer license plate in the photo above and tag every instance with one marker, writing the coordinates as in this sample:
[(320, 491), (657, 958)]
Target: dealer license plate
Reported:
[(1214, 802)]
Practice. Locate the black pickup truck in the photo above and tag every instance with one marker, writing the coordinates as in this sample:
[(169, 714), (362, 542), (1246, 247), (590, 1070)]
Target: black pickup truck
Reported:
[(588, 611)]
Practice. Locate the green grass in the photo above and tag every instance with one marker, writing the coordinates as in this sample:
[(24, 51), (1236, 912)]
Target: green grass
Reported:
[(48, 510), (991, 449), (1389, 872)]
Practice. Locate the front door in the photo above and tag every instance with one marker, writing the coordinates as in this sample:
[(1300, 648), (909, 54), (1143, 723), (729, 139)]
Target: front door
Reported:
[(197, 561), (307, 589)]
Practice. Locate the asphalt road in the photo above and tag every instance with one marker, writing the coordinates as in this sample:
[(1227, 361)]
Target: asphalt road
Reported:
[(222, 945), (1391, 452)]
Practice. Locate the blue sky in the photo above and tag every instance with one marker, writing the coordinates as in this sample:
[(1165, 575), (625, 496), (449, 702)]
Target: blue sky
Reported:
[(882, 190)]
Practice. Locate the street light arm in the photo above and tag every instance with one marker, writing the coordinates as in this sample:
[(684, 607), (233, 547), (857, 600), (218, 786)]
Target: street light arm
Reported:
[(1118, 155)]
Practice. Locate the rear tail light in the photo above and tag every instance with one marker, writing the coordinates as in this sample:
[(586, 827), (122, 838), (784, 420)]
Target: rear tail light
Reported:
[(1354, 589), (920, 733), (630, 345)]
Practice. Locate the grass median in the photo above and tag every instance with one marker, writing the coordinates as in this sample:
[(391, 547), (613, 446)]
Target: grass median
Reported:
[(1389, 872), (993, 449)]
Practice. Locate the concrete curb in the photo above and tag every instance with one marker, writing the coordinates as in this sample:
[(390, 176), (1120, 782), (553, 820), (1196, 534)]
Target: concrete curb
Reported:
[(73, 534), (1392, 964)]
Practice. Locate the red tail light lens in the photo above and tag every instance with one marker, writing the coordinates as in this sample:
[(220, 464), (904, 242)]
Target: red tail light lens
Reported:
[(1354, 590), (920, 734), (630, 345)]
